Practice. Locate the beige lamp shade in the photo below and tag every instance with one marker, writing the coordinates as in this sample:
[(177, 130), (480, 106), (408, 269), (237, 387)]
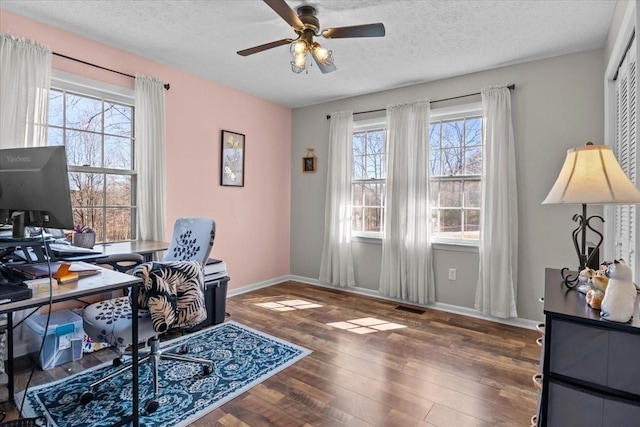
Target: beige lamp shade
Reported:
[(592, 175)]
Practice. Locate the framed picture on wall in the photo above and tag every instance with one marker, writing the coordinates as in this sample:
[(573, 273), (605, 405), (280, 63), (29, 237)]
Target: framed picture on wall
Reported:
[(309, 164), (232, 159)]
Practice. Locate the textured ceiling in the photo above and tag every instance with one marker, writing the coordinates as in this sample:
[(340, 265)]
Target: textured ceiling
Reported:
[(425, 40)]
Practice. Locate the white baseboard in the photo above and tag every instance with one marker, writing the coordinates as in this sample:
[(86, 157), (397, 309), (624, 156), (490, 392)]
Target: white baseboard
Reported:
[(465, 311)]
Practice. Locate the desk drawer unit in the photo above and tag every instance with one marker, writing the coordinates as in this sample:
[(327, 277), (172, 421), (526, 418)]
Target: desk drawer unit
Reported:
[(596, 355), (590, 366)]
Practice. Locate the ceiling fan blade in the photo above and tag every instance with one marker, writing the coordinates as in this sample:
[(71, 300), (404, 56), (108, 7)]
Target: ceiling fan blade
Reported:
[(281, 8), (256, 49), (325, 68), (366, 30)]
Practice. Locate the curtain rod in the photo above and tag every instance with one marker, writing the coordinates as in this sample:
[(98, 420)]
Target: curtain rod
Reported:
[(510, 87), (166, 85)]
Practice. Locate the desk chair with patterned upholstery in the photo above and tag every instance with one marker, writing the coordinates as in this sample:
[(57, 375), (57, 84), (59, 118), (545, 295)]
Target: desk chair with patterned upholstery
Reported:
[(170, 297)]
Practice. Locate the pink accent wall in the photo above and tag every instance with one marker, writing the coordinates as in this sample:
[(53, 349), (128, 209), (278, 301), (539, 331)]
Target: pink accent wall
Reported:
[(253, 222)]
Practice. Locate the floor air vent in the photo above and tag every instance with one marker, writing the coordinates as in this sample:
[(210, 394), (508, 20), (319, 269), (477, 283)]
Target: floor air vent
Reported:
[(410, 309)]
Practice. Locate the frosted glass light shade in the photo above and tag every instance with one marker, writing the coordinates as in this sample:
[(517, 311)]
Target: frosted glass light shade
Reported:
[(591, 175)]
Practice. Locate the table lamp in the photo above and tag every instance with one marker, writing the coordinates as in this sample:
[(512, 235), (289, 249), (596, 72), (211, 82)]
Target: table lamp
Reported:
[(590, 175)]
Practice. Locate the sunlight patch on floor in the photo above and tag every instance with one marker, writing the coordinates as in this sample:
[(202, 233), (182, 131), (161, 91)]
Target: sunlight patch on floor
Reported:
[(366, 325), (288, 305)]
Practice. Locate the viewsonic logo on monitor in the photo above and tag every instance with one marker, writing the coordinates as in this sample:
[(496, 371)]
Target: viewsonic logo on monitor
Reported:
[(20, 159)]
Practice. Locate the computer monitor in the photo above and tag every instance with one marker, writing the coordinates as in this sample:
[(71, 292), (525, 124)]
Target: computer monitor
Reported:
[(34, 188)]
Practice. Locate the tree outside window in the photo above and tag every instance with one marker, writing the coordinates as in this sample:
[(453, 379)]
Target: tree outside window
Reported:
[(98, 137)]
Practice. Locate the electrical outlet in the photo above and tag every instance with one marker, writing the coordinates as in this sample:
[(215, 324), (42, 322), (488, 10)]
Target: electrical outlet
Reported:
[(452, 274)]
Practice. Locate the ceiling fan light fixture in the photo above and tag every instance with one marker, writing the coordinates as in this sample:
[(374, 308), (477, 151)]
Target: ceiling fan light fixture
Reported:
[(322, 55), (299, 49)]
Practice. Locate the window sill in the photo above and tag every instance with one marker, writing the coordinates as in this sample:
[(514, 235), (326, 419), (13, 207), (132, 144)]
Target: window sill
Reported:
[(455, 247), (439, 246)]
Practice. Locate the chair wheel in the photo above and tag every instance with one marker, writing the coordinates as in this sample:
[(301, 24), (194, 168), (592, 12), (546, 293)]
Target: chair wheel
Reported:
[(151, 406), (86, 397), (207, 369), (117, 362)]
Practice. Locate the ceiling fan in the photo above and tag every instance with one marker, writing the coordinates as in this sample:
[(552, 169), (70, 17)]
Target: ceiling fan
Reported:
[(307, 26)]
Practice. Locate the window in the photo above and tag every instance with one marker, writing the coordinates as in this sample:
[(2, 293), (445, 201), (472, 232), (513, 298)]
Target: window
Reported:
[(368, 179), (455, 167), (96, 128)]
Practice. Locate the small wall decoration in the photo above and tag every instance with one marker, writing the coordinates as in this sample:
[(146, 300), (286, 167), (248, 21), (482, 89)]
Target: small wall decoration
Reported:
[(309, 161), (232, 159)]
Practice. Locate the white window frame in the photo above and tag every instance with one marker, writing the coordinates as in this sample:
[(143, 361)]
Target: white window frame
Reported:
[(362, 126), (444, 113), (92, 88), (463, 111)]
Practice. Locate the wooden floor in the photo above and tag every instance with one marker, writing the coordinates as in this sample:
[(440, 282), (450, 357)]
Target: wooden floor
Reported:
[(442, 370)]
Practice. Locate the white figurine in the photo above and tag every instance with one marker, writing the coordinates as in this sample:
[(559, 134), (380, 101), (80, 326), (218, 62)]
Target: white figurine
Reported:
[(620, 296)]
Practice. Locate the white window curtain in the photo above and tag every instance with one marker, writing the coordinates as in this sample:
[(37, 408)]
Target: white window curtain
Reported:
[(407, 271), (336, 266), (150, 156), (496, 290), (25, 76)]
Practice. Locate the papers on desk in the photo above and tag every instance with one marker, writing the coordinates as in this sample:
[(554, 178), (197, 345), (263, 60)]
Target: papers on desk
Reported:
[(37, 271), (64, 249)]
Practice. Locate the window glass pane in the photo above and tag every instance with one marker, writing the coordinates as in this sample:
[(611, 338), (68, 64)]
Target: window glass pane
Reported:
[(435, 222), (359, 139), (375, 167), (357, 194), (83, 113), (452, 133), (473, 135), (375, 142), (471, 224), (356, 219), (359, 167), (434, 132), (472, 191), (473, 161), (373, 194), (435, 158), (55, 136), (452, 161), (56, 108), (84, 149), (451, 223), (119, 190), (118, 223), (92, 218), (434, 188), (117, 119), (372, 219), (118, 153), (451, 194), (87, 189)]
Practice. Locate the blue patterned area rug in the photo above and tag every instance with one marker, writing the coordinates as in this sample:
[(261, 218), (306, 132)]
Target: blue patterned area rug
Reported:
[(243, 357)]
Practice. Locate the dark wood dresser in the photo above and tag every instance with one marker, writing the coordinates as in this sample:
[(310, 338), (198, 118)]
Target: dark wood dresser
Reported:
[(590, 367)]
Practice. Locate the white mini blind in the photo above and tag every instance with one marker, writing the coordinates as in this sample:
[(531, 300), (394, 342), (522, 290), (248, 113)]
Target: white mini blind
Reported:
[(626, 149)]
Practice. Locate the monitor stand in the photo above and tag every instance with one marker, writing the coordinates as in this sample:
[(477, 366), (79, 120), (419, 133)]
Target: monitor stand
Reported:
[(17, 218)]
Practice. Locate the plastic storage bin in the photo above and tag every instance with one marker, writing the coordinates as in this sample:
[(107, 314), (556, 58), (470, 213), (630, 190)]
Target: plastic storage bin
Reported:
[(215, 297), (63, 338)]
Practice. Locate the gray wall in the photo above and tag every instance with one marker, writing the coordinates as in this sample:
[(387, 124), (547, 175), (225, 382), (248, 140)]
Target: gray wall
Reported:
[(557, 105)]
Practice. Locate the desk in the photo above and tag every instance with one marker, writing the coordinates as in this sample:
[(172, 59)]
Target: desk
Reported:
[(107, 280), (143, 247)]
